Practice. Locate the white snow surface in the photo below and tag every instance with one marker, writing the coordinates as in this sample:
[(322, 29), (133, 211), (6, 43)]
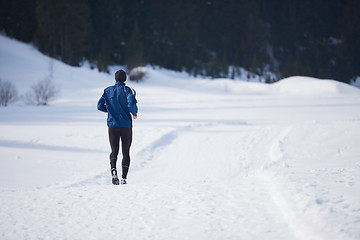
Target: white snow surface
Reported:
[(210, 159)]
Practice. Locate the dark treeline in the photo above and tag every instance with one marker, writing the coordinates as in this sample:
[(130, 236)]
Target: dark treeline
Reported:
[(319, 38)]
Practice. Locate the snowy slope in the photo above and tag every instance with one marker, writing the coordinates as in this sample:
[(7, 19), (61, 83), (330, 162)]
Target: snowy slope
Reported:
[(211, 159)]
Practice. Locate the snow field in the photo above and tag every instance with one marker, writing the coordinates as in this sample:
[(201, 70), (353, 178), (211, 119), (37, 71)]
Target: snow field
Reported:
[(211, 159)]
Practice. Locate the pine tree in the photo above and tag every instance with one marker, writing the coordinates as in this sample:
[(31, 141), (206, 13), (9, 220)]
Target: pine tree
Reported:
[(107, 38), (63, 29), (17, 19), (135, 49)]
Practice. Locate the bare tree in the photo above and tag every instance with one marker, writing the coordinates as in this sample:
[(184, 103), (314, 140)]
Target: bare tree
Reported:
[(42, 92), (8, 93)]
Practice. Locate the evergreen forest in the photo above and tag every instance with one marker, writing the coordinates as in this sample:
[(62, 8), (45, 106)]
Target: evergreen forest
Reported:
[(318, 38)]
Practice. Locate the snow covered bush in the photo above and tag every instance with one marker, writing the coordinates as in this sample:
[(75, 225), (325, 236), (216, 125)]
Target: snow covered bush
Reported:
[(42, 92), (8, 93), (137, 74)]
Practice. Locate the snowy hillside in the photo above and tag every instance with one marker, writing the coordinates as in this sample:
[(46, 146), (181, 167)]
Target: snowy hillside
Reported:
[(211, 159)]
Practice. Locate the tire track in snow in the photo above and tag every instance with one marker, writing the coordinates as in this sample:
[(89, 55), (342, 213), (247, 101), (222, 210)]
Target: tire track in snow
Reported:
[(263, 149), (147, 154), (307, 191), (277, 154), (265, 156), (270, 175)]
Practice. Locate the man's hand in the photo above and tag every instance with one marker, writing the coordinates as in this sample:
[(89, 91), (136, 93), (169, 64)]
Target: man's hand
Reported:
[(134, 117)]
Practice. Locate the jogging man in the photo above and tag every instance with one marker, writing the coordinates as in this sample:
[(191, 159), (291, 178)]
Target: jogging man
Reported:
[(120, 103)]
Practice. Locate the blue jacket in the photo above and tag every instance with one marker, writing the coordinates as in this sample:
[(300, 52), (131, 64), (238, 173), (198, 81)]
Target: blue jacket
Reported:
[(118, 101)]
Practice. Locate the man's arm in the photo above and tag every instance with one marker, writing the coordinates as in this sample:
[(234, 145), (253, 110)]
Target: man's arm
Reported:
[(131, 99), (101, 104)]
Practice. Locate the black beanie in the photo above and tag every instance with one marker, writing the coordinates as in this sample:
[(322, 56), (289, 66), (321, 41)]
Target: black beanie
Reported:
[(120, 76)]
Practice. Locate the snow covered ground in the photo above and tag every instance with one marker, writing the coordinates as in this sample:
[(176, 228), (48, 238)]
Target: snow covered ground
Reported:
[(211, 159)]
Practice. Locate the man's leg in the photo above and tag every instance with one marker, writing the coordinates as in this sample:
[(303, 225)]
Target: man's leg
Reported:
[(126, 139), (114, 138)]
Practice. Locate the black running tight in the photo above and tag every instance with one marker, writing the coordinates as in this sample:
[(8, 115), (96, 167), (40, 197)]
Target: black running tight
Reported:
[(125, 134)]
